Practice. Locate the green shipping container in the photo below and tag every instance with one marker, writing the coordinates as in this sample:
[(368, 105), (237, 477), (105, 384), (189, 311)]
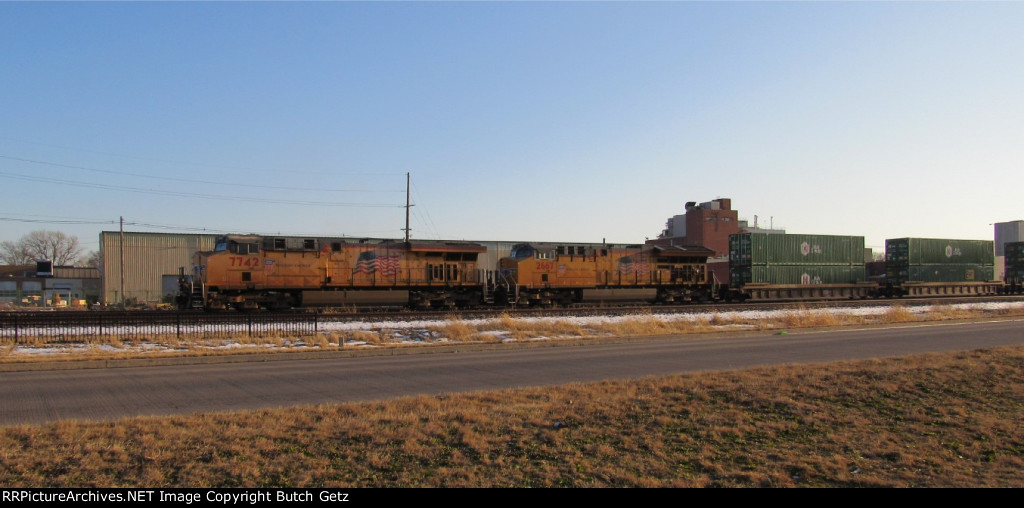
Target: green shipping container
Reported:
[(796, 274), (928, 251), (756, 249), (898, 273)]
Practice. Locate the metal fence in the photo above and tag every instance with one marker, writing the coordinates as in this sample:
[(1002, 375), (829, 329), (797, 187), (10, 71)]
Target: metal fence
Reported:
[(79, 327)]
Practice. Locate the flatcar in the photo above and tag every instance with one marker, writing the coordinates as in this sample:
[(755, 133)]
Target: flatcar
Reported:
[(778, 267), (939, 267), (824, 267)]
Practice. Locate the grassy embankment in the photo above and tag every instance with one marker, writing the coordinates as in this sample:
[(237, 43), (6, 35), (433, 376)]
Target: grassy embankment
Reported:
[(939, 420), (505, 329)]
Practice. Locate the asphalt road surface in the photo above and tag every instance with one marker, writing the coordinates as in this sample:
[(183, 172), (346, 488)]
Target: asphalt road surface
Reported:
[(112, 393)]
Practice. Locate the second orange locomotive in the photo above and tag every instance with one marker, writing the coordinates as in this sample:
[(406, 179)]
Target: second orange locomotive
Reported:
[(562, 274)]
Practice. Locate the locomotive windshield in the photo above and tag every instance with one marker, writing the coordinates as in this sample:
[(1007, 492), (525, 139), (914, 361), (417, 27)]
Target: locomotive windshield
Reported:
[(221, 245), (235, 247), (521, 252)]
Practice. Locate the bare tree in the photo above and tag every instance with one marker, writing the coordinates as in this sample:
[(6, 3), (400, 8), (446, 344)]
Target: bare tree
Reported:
[(13, 253), (93, 259), (55, 246)]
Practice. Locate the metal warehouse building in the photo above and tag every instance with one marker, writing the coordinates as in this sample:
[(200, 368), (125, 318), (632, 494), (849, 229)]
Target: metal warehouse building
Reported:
[(144, 267)]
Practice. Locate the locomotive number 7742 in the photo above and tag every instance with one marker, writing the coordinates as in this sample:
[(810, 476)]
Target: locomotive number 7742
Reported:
[(244, 261)]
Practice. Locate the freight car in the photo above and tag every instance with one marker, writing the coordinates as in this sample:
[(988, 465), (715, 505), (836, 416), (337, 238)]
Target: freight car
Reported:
[(1014, 277), (804, 267), (939, 267), (259, 272), (797, 267), (545, 274)]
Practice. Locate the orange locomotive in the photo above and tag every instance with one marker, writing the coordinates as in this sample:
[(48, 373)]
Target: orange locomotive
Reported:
[(563, 274), (251, 271)]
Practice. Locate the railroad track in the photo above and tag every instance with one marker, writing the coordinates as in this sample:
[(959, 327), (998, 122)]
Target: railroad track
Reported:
[(88, 318)]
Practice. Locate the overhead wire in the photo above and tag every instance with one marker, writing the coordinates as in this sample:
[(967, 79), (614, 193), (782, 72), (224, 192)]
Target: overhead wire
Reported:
[(189, 163), (188, 180), (189, 194), (426, 213), (184, 194)]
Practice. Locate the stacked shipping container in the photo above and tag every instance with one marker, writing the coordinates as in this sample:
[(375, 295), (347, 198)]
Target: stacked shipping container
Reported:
[(795, 259), (1014, 260), (938, 260)]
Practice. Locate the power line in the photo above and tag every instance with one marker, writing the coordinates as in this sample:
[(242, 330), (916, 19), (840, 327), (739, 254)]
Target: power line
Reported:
[(429, 222), (186, 180), (197, 229), (188, 163), (193, 194), (67, 221)]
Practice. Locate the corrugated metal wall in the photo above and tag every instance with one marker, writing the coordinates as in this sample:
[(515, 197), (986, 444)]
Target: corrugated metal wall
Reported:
[(147, 258)]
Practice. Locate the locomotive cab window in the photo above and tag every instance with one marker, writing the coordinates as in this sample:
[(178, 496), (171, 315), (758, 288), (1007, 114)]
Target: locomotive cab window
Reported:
[(521, 252), (243, 248)]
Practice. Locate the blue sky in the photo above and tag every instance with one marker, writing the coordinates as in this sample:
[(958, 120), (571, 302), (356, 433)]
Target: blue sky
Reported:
[(574, 121)]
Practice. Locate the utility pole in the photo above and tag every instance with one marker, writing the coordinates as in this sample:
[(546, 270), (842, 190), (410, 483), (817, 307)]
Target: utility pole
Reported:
[(122, 264), (407, 205)]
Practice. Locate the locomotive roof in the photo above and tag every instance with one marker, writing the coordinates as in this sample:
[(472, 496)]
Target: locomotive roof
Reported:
[(689, 251), (664, 251), (551, 245), (443, 246), (439, 245)]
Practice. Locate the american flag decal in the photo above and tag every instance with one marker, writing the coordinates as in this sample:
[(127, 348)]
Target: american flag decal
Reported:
[(370, 262)]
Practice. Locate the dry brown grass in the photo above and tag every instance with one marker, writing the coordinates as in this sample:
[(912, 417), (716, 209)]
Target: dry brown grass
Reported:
[(504, 328), (899, 314), (456, 329), (515, 328), (368, 337), (940, 420)]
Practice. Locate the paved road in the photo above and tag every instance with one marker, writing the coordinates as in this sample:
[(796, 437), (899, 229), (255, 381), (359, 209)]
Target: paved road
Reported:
[(42, 396)]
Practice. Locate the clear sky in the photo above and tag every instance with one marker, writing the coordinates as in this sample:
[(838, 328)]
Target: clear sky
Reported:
[(574, 121)]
